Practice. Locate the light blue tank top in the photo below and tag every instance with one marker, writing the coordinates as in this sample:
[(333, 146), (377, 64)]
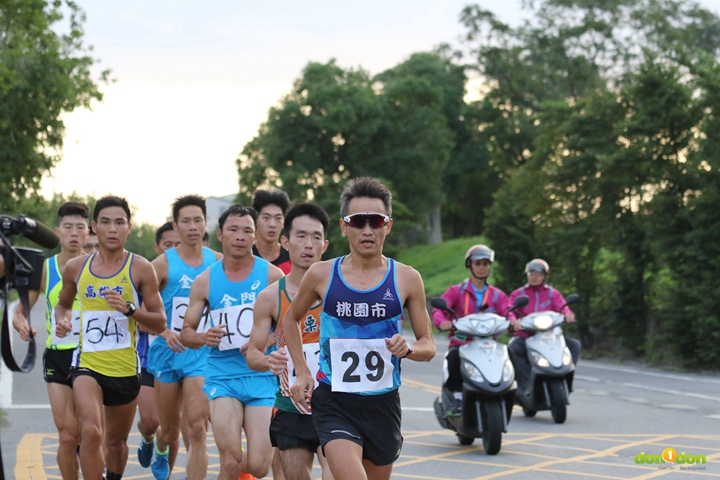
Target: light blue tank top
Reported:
[(232, 303)]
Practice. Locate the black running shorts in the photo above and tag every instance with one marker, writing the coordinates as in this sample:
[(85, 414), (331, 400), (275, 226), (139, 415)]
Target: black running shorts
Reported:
[(56, 366), (116, 390), (371, 421)]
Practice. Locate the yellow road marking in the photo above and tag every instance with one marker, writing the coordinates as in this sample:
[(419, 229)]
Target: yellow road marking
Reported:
[(29, 464), (424, 386)]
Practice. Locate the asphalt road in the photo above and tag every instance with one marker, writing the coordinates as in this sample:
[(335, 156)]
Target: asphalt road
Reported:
[(617, 411)]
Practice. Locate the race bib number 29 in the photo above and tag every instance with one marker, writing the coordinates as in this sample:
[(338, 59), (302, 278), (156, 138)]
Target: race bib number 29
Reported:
[(360, 365), (105, 330)]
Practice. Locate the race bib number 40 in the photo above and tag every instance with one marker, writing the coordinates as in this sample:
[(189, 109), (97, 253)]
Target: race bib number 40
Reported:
[(105, 330), (360, 365), (71, 338), (311, 351), (239, 321)]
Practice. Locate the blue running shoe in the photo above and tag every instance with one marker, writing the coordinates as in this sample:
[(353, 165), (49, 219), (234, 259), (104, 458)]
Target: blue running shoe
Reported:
[(161, 464), (145, 452)]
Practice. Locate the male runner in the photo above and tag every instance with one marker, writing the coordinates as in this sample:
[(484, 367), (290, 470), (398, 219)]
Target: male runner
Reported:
[(72, 230), (110, 286), (356, 406), (91, 243), (179, 372), (291, 429), (166, 237), (271, 206), (239, 397)]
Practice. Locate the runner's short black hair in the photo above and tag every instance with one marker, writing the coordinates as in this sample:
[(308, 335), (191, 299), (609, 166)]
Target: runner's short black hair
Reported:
[(308, 209), (111, 201), (365, 187), (263, 198), (77, 209), (237, 210), (185, 201), (165, 227)]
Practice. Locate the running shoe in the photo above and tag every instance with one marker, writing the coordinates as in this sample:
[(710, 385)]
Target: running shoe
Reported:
[(145, 452), (161, 464)]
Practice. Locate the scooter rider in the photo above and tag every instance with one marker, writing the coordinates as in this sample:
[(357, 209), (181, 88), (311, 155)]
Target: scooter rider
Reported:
[(466, 298), (542, 297)]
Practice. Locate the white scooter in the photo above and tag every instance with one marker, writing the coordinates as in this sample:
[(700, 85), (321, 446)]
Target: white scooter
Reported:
[(551, 365), (488, 380)]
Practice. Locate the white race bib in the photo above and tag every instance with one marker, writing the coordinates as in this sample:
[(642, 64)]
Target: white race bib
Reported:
[(311, 351), (71, 338), (179, 305), (105, 330), (360, 365), (239, 321)]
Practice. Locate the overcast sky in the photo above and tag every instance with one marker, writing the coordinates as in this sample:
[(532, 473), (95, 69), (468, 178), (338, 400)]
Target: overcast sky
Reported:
[(196, 79)]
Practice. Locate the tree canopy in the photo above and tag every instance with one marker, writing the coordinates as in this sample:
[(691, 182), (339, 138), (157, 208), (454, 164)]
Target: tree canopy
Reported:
[(43, 74)]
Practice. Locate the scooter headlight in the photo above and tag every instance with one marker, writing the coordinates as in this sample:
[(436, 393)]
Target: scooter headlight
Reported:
[(543, 322), (472, 372), (567, 358), (508, 372), (540, 360)]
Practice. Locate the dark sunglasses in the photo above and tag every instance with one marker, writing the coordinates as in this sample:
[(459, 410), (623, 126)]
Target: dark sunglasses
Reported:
[(359, 220)]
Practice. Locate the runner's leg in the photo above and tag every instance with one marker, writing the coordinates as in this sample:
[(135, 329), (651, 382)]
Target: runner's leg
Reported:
[(196, 412), (226, 414), (168, 398), (118, 423), (149, 417), (88, 398), (260, 451), (345, 460), (326, 473), (66, 422), (296, 463)]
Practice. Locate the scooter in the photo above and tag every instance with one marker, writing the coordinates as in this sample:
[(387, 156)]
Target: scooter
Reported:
[(488, 379), (552, 368)]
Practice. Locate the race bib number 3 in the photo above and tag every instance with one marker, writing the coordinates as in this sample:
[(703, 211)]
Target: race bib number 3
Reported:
[(311, 351), (105, 330), (239, 321), (71, 338), (360, 365), (179, 305)]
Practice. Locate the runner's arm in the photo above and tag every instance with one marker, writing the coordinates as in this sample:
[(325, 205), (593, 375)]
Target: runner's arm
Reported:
[(424, 346), (262, 322), (63, 309), (152, 317), (198, 299)]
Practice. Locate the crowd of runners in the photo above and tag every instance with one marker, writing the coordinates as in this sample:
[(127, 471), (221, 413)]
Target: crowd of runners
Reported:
[(263, 338)]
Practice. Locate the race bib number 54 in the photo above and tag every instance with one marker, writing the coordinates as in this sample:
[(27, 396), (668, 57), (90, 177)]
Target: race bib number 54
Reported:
[(360, 365), (105, 330)]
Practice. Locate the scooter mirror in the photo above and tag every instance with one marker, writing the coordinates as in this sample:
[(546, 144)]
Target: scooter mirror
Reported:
[(572, 298), (439, 303), (520, 302)]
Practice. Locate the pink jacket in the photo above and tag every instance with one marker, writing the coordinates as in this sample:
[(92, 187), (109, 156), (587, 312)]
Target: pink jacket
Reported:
[(461, 298), (542, 298)]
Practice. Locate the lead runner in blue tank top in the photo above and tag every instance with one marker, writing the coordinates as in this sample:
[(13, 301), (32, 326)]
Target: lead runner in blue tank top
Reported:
[(179, 372), (356, 406), (240, 398)]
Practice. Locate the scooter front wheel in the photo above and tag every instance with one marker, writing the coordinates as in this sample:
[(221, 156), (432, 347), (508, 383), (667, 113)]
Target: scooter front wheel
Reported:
[(492, 427), (558, 402), (529, 412)]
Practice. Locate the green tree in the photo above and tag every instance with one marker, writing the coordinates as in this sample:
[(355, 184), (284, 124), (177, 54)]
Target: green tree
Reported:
[(43, 74)]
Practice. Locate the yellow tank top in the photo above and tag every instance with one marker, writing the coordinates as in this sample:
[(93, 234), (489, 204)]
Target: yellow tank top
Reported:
[(311, 348), (107, 337), (53, 285)]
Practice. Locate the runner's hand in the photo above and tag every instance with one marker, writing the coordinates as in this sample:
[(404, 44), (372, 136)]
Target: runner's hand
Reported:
[(21, 325), (214, 335), (173, 341), (302, 390), (277, 360), (116, 301), (397, 345), (243, 349), (63, 328)]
